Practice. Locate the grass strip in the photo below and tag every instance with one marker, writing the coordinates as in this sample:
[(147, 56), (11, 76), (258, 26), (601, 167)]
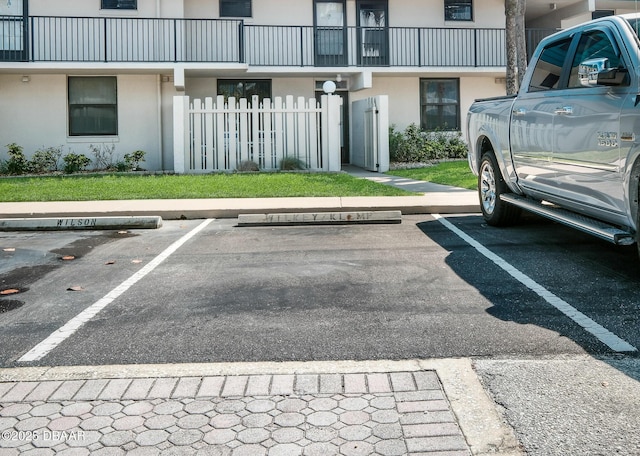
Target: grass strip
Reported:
[(123, 187), (455, 173)]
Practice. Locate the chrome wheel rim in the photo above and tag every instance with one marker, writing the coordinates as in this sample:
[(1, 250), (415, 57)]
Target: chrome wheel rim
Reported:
[(487, 188)]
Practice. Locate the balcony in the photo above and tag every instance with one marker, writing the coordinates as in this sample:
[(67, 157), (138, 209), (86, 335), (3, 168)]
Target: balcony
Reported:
[(91, 39)]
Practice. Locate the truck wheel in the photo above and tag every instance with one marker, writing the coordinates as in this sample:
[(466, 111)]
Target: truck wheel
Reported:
[(490, 186)]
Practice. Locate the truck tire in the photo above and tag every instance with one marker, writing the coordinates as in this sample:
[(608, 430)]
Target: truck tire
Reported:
[(490, 186)]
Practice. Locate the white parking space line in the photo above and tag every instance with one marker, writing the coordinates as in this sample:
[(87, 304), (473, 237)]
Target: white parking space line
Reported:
[(57, 337), (601, 333)]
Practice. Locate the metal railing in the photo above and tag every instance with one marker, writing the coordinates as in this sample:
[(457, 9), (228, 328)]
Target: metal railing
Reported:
[(83, 39), (104, 39)]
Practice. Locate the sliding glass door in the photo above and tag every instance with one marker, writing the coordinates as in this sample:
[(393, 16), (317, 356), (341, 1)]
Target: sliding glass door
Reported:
[(373, 32), (13, 30), (330, 33)]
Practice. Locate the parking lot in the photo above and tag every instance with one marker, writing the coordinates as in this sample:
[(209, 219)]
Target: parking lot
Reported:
[(207, 291)]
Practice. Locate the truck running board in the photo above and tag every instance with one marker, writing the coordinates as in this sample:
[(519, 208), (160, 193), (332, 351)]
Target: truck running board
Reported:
[(588, 225)]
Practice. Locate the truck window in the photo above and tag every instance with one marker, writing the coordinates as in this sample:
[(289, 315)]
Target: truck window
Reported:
[(548, 69), (595, 53)]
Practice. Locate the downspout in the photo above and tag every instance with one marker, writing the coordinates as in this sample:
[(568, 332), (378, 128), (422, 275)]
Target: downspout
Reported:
[(160, 126), (159, 109)]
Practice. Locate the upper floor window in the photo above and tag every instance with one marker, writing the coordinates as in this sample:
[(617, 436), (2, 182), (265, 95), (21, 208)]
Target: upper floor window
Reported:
[(458, 10), (120, 4), (235, 8), (597, 14)]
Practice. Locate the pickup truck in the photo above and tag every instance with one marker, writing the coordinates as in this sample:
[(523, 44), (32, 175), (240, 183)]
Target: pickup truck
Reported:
[(567, 146)]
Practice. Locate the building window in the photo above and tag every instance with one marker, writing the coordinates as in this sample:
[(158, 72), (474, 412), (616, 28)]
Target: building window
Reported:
[(440, 104), (458, 10), (93, 106), (597, 14), (120, 4), (235, 8), (244, 88)]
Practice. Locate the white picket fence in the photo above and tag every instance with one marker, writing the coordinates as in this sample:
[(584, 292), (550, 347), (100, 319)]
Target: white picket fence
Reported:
[(219, 136)]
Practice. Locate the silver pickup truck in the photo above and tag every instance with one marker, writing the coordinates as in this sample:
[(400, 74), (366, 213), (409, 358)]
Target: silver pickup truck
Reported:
[(568, 145)]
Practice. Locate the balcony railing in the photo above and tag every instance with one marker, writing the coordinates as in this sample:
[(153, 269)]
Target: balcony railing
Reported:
[(102, 39)]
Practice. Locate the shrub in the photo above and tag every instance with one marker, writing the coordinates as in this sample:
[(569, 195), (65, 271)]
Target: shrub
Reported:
[(122, 167), (247, 166), (132, 160), (45, 160), (103, 156), (17, 163), (291, 164), (74, 163), (416, 145)]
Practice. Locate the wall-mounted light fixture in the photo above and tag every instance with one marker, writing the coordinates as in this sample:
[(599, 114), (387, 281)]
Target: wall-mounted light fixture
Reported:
[(26, 78), (553, 6)]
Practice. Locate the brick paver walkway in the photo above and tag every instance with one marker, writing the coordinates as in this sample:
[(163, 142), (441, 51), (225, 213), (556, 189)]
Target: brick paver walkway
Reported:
[(304, 414)]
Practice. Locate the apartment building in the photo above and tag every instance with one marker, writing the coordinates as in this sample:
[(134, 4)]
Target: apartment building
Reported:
[(90, 72)]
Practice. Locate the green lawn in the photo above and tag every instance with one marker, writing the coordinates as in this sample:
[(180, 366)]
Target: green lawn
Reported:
[(260, 185), (455, 173)]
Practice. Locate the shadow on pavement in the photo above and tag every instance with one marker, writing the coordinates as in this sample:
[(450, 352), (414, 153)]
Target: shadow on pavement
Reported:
[(598, 279)]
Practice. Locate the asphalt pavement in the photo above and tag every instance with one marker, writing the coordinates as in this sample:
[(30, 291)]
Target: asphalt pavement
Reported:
[(437, 407)]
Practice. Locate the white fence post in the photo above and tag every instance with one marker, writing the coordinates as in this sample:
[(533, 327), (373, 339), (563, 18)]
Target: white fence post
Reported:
[(209, 158), (181, 132), (383, 133), (331, 132)]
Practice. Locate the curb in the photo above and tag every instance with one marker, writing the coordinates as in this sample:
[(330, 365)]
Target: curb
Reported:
[(441, 203), (80, 223), (320, 218)]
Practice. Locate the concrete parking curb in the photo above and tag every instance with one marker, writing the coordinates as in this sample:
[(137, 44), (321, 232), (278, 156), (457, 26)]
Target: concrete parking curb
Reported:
[(320, 218), (80, 223)]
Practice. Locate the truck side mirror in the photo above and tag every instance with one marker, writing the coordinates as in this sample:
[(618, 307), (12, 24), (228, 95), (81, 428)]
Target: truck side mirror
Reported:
[(589, 71), (613, 77), (596, 71)]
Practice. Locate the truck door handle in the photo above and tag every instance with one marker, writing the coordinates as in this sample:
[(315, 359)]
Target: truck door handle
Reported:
[(564, 111), (519, 112)]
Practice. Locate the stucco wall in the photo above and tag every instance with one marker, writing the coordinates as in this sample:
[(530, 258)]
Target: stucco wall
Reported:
[(430, 13), (403, 92), (402, 13), (146, 8), (34, 115), (404, 96)]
